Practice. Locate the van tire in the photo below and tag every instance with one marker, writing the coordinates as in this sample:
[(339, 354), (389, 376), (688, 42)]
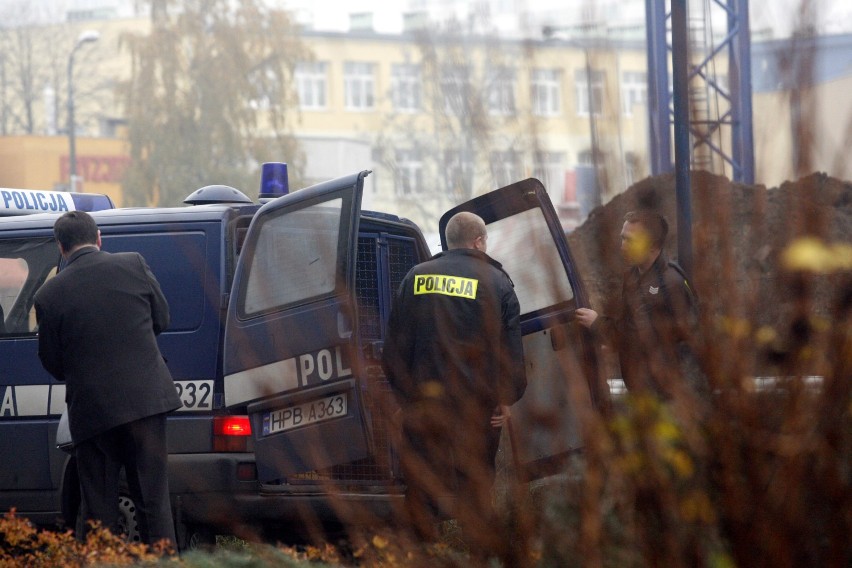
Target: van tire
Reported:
[(128, 522), (198, 537)]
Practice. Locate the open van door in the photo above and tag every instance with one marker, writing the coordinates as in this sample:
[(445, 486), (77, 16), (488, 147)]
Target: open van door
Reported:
[(289, 355), (525, 236)]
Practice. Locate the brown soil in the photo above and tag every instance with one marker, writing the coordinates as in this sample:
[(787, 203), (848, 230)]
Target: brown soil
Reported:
[(738, 233)]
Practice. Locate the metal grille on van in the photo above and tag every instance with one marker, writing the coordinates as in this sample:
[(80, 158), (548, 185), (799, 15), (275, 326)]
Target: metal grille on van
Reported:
[(372, 308), (367, 289), (401, 257), (371, 270)]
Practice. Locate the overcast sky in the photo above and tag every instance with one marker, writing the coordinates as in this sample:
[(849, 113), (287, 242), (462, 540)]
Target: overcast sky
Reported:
[(833, 16)]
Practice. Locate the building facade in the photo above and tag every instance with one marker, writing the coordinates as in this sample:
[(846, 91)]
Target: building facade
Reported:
[(438, 116)]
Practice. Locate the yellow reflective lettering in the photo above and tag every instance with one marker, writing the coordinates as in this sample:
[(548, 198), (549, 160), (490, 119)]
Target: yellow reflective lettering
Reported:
[(446, 285)]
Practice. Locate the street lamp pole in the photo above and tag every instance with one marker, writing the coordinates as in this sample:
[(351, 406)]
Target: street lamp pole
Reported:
[(88, 36)]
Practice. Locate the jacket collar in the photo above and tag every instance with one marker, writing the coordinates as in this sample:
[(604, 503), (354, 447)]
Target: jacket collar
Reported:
[(469, 252), (81, 252), (655, 271)]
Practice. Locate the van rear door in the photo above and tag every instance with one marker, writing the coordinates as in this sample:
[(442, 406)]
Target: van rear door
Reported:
[(289, 344), (524, 234)]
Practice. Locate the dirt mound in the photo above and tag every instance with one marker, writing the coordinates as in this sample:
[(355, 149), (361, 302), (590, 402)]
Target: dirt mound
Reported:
[(738, 233)]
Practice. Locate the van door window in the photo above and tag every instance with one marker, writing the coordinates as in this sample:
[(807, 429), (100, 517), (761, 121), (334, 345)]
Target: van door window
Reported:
[(13, 274), (524, 246), (296, 258), (25, 265)]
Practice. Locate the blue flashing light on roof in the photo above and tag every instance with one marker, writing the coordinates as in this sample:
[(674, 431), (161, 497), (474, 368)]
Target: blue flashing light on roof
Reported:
[(273, 181), (92, 201)]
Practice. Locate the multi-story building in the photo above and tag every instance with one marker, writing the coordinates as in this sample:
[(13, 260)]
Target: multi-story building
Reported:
[(436, 116), (446, 117)]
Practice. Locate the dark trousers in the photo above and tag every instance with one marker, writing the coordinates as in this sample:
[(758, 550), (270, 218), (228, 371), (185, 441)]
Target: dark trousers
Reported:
[(448, 464), (139, 447)]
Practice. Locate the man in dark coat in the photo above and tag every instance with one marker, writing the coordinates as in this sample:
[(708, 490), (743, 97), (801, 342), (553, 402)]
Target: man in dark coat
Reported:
[(454, 358), (658, 311), (98, 320)]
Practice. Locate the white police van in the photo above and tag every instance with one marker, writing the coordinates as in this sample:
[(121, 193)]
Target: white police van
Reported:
[(278, 318)]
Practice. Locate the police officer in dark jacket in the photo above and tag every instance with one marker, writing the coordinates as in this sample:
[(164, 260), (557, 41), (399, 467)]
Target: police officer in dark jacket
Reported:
[(454, 358), (98, 318), (658, 311)]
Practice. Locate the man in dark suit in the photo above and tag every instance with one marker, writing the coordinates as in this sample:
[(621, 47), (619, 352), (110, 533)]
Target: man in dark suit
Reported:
[(98, 320)]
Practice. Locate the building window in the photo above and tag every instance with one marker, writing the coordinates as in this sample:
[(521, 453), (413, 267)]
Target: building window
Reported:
[(358, 84), (505, 167), (549, 168), (546, 92), (583, 91), (266, 87), (409, 173), (459, 167), (634, 90), (311, 85), (455, 86), (405, 87), (501, 91)]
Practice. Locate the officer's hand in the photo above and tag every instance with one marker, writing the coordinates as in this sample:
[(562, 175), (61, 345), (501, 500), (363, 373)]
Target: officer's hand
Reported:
[(585, 317), (501, 416)]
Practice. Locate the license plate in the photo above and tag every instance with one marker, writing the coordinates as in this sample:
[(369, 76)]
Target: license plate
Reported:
[(195, 395), (304, 414)]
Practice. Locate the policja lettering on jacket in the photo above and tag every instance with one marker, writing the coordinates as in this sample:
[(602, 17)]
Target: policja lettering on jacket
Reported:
[(447, 285)]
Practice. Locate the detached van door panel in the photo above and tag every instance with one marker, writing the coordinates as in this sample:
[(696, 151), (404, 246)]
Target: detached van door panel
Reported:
[(525, 236), (289, 340)]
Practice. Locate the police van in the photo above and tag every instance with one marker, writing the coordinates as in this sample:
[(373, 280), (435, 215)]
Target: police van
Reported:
[(278, 317)]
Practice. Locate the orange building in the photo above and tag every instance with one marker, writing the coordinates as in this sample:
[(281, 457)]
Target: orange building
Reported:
[(41, 162)]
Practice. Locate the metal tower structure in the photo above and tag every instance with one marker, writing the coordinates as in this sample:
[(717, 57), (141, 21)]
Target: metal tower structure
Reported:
[(700, 131), (704, 85)]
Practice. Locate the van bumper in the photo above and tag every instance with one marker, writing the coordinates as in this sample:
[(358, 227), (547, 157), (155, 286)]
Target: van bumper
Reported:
[(206, 491)]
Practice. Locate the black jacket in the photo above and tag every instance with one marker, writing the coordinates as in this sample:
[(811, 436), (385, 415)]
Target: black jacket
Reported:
[(656, 321), (455, 322), (98, 318)]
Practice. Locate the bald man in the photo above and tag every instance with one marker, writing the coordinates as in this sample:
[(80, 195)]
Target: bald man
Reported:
[(454, 358)]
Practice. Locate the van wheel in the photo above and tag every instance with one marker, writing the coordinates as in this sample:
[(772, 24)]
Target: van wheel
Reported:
[(199, 537), (128, 522)]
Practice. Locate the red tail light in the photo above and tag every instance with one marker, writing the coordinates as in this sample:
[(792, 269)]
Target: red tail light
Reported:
[(231, 426), (231, 433)]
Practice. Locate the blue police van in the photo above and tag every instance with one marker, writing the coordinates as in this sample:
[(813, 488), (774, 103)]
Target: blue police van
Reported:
[(278, 315)]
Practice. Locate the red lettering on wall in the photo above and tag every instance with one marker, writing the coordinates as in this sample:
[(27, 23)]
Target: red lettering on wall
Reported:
[(98, 169)]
